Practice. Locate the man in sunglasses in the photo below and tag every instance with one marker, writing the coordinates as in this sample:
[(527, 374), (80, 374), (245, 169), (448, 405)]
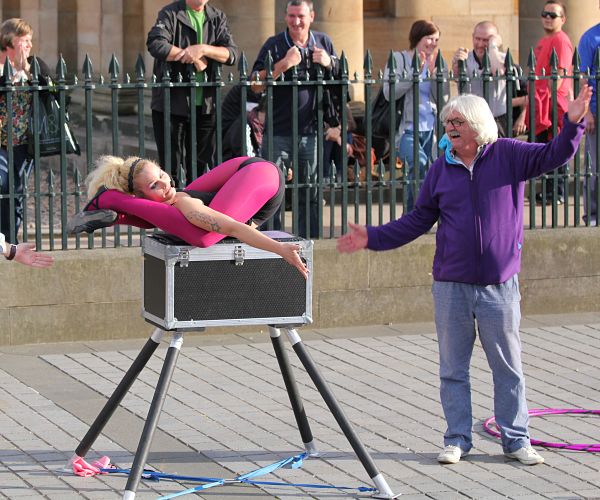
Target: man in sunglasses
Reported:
[(553, 18)]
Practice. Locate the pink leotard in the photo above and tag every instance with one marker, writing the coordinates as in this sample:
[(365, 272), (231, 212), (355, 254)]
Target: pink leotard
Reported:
[(240, 194)]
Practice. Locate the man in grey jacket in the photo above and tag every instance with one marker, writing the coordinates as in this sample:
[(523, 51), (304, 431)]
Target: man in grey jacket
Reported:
[(486, 36), (189, 36)]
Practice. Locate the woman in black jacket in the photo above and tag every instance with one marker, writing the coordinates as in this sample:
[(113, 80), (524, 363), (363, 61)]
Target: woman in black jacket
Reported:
[(189, 35)]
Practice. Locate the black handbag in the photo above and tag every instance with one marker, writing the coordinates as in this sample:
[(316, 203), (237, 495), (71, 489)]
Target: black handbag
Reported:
[(380, 115), (48, 130)]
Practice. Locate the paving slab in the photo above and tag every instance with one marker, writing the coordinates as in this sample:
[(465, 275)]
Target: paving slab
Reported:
[(228, 413)]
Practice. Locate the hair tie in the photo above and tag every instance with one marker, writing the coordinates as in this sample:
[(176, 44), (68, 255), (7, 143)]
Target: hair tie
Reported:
[(130, 176)]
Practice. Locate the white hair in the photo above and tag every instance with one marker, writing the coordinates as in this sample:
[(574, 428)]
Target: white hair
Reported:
[(477, 114)]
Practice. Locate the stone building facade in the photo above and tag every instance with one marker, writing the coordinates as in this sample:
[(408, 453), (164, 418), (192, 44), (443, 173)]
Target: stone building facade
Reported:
[(100, 28)]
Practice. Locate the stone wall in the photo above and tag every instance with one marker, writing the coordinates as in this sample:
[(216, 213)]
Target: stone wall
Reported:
[(96, 294)]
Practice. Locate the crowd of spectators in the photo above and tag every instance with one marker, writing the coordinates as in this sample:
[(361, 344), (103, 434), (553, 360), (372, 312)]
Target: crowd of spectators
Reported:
[(191, 38)]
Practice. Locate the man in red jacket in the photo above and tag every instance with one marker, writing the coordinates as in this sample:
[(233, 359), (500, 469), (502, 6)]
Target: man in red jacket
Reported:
[(553, 18)]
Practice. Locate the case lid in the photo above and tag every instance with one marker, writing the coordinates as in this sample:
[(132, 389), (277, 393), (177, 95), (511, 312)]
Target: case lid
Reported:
[(170, 239), (172, 249)]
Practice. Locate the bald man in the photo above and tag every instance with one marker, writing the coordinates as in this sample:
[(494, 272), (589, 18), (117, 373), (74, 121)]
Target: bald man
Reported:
[(486, 36)]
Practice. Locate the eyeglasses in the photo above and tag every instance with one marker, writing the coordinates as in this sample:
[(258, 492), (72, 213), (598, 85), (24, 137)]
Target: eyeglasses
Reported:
[(455, 122), (551, 15)]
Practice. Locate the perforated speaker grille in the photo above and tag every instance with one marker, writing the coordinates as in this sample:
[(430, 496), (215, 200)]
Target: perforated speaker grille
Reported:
[(260, 288)]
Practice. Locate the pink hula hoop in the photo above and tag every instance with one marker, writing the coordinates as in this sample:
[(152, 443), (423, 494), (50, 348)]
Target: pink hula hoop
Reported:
[(491, 427)]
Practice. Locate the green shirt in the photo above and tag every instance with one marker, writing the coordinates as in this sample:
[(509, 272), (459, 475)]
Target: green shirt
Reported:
[(197, 20)]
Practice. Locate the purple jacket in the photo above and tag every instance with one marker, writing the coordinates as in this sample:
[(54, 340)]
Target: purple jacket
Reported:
[(480, 235)]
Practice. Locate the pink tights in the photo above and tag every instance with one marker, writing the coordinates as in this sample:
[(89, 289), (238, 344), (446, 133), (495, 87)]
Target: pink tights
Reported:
[(240, 194)]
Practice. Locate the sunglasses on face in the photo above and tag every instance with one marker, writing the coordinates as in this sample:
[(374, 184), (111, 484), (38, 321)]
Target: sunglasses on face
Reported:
[(551, 15), (455, 122)]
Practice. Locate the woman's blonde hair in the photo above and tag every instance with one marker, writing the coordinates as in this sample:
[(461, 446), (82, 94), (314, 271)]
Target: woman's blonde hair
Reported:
[(113, 172)]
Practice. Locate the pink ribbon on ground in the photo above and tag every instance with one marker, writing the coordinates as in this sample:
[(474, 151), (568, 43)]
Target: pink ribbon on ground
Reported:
[(84, 469)]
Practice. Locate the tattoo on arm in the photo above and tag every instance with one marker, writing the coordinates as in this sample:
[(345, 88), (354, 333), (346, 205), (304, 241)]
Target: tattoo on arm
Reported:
[(208, 222)]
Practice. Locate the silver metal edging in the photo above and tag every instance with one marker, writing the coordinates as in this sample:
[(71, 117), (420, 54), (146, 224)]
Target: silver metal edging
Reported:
[(169, 318), (286, 320)]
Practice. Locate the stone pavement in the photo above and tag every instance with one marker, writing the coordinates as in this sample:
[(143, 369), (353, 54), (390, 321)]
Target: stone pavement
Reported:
[(228, 413)]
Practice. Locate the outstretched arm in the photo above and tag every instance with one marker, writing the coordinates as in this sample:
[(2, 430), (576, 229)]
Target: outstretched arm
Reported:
[(354, 240), (25, 253), (208, 219)]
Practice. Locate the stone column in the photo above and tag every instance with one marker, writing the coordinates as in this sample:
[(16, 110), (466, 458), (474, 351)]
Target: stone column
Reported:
[(111, 33), (150, 13), (251, 23), (88, 17), (342, 20), (134, 36), (45, 36), (67, 35), (581, 15), (9, 9), (100, 27)]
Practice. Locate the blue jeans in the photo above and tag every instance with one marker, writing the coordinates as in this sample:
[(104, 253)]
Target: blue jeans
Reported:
[(497, 311), (405, 152), (590, 148), (307, 165), (21, 166), (332, 157)]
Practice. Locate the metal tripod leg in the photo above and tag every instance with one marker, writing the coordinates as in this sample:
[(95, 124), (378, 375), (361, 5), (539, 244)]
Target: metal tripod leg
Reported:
[(117, 396), (363, 455), (158, 400), (293, 393)]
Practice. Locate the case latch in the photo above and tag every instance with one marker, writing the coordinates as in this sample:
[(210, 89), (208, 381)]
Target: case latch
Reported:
[(183, 258), (238, 255)]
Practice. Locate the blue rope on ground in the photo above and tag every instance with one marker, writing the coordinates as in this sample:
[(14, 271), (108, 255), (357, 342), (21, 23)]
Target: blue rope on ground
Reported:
[(293, 462)]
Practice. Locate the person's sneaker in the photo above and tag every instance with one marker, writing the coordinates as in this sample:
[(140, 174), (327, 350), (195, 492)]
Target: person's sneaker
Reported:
[(451, 455), (91, 220), (592, 220), (559, 200), (526, 455)]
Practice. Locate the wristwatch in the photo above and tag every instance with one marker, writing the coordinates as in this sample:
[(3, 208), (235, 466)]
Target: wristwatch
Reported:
[(13, 248)]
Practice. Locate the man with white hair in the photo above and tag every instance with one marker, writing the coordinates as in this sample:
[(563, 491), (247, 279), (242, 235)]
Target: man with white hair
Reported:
[(476, 190)]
